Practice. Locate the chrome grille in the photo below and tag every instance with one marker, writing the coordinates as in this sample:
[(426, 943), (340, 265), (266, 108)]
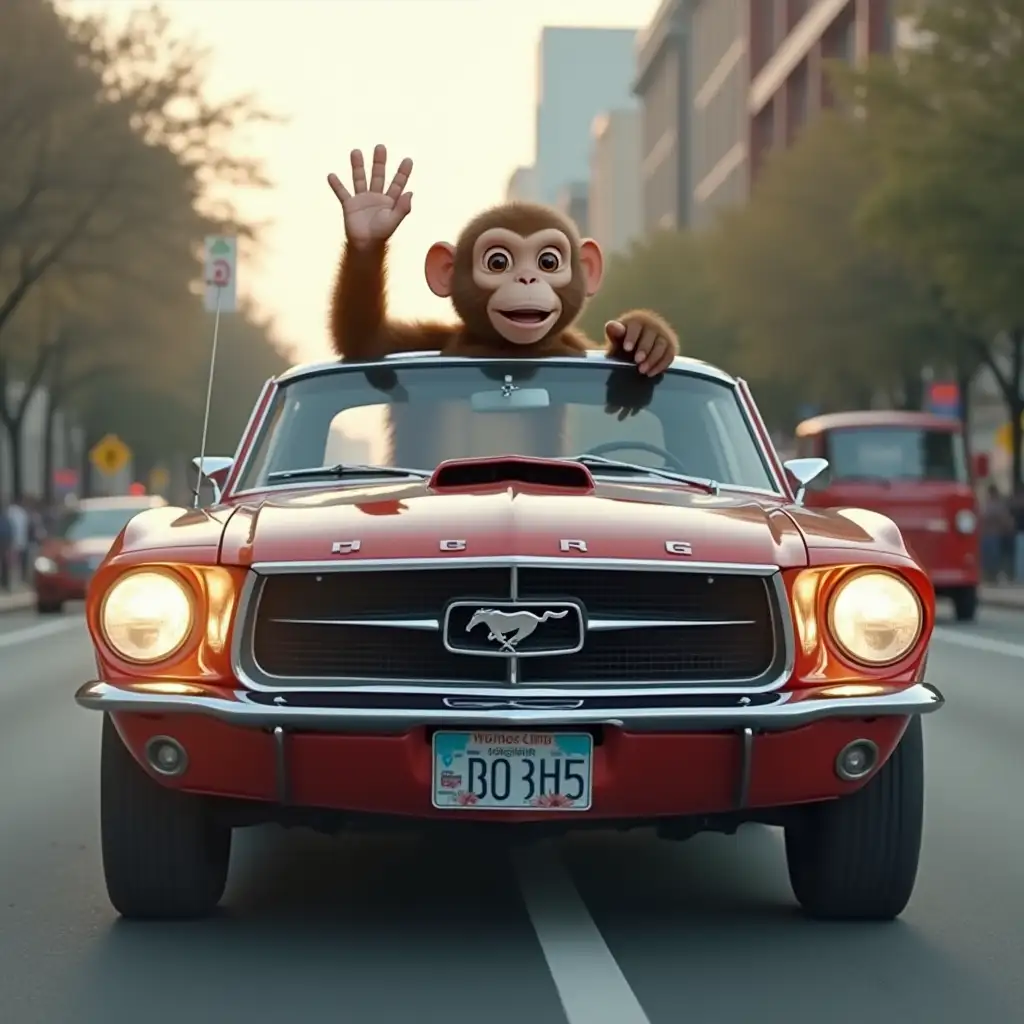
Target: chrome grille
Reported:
[(644, 626)]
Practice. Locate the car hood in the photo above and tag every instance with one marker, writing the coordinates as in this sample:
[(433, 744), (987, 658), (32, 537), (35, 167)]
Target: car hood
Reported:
[(511, 519)]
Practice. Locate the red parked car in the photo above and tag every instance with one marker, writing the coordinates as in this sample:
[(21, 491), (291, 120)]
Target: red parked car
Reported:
[(82, 536), (558, 616), (913, 468)]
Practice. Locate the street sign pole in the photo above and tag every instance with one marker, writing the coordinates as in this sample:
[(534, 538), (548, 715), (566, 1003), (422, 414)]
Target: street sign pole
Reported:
[(221, 296), (209, 396)]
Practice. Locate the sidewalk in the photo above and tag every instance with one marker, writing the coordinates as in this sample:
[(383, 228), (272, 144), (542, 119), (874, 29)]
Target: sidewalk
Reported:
[(1002, 595), (16, 601)]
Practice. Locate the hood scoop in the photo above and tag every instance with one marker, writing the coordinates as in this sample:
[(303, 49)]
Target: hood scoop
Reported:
[(511, 469)]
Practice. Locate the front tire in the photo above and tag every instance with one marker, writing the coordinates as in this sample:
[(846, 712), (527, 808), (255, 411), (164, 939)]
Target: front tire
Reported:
[(965, 603), (163, 855), (856, 858), (49, 607)]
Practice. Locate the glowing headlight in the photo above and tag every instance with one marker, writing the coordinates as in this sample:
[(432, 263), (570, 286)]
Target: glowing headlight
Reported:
[(146, 616), (875, 618), (965, 521), (45, 566)]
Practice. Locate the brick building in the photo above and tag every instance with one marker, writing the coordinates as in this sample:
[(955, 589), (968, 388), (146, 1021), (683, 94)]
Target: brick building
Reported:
[(662, 84), (725, 81)]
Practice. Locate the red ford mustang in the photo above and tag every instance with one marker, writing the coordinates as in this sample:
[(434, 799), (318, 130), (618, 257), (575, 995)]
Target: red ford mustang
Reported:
[(465, 592)]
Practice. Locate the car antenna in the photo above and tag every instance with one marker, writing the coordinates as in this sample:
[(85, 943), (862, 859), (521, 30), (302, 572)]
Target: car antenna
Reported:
[(219, 276)]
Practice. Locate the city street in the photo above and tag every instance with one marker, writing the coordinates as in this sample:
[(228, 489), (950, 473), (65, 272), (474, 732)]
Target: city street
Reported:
[(615, 929)]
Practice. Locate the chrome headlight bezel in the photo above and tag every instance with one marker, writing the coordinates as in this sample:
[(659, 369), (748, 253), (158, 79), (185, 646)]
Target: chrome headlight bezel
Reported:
[(187, 632), (835, 634)]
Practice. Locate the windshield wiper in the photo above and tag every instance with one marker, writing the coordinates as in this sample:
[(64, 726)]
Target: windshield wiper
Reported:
[(710, 486), (339, 470)]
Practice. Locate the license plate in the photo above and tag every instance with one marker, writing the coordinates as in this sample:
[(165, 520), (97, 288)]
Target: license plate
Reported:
[(513, 771)]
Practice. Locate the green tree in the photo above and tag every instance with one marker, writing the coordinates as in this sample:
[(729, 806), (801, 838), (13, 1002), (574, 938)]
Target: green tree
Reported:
[(162, 424), (665, 272), (945, 123), (117, 161), (825, 315)]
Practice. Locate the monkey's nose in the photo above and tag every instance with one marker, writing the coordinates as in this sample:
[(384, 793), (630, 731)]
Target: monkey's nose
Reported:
[(523, 279)]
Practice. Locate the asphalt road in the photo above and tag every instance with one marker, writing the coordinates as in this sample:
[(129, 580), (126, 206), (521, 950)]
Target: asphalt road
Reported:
[(598, 930)]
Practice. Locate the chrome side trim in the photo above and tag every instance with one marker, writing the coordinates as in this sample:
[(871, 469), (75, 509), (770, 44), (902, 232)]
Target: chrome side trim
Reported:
[(681, 364), (519, 561), (593, 625), (250, 436), (238, 708), (650, 482), (249, 674)]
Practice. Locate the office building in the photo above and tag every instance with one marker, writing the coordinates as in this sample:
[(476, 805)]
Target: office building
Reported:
[(615, 197), (522, 185), (758, 76), (582, 73), (573, 201), (662, 84)]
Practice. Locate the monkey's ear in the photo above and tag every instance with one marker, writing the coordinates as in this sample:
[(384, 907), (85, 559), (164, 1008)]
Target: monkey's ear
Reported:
[(440, 268), (592, 262)]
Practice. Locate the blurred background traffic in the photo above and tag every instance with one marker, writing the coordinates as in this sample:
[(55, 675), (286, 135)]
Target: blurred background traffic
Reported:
[(820, 195)]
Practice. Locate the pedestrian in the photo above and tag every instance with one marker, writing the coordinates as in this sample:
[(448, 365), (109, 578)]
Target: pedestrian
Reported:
[(998, 530), (19, 519), (6, 534)]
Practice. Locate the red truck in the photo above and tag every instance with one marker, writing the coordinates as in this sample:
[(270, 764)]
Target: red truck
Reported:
[(912, 467)]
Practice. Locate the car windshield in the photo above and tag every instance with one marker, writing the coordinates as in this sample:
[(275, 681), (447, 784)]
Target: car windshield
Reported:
[(420, 415), (897, 453), (93, 523)]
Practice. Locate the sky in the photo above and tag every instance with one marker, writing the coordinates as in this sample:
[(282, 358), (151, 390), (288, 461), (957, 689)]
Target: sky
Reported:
[(449, 83)]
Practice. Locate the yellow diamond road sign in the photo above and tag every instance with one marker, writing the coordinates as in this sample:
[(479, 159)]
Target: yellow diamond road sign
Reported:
[(110, 454)]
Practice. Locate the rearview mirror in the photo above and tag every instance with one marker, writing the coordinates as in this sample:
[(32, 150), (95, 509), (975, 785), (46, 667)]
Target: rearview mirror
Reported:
[(806, 472), (510, 399), (215, 468)]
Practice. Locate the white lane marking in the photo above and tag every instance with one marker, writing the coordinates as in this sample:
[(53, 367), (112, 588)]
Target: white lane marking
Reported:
[(979, 643), (590, 984), (23, 636)]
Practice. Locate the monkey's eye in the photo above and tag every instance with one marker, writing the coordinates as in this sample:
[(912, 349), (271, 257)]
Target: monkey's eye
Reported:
[(497, 260), (549, 260)]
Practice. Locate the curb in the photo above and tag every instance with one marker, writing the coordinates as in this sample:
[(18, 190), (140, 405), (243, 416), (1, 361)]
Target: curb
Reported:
[(1006, 603), (16, 603)]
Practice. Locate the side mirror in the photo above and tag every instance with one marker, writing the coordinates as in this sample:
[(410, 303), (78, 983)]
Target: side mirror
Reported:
[(214, 468), (805, 472)]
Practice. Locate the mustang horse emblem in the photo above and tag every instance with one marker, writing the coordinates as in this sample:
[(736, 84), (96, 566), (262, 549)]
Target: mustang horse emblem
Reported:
[(510, 628)]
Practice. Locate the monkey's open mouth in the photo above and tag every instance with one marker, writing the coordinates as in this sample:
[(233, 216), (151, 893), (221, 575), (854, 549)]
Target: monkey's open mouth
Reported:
[(526, 316)]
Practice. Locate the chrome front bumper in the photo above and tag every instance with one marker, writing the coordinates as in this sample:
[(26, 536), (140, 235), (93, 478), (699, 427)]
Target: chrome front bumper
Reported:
[(369, 711)]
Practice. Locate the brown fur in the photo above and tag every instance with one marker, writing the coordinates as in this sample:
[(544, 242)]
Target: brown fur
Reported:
[(360, 328)]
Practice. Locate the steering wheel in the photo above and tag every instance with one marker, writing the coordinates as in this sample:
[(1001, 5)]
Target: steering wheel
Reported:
[(640, 446)]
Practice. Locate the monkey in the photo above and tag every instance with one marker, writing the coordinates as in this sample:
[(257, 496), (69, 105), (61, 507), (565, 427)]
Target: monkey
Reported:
[(518, 276)]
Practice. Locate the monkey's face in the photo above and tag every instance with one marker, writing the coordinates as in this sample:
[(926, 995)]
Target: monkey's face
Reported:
[(517, 275), (522, 279)]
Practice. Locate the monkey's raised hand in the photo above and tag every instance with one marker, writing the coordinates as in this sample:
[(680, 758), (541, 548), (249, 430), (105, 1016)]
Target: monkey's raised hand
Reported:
[(644, 336), (372, 215)]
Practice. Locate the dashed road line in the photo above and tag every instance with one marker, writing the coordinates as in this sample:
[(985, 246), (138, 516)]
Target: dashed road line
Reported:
[(590, 983)]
